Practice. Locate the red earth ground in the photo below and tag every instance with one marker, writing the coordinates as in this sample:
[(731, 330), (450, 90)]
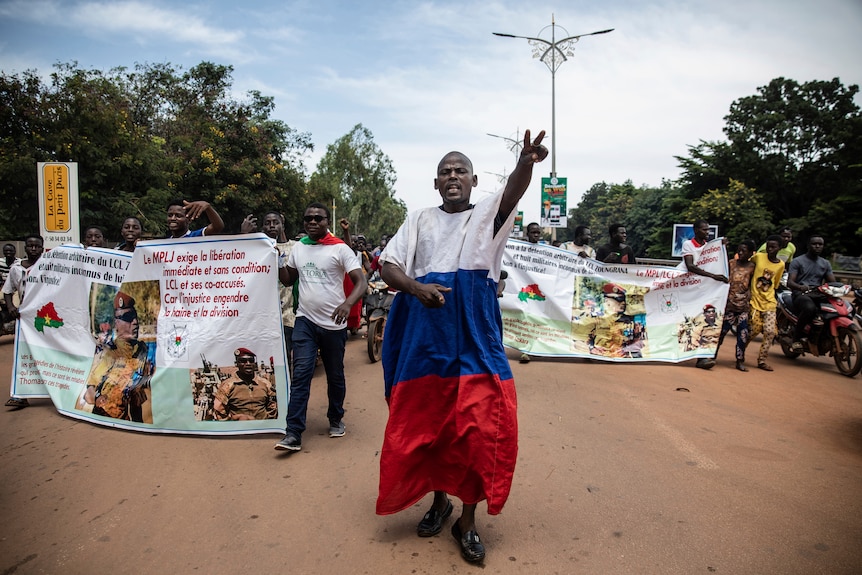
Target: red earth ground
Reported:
[(619, 472)]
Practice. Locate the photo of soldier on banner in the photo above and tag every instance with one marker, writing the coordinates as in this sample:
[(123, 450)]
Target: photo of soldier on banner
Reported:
[(557, 304), (608, 319), (243, 391), (136, 341), (124, 361)]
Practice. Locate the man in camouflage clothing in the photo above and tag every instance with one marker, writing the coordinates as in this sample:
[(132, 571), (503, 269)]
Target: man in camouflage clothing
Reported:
[(616, 334), (121, 373)]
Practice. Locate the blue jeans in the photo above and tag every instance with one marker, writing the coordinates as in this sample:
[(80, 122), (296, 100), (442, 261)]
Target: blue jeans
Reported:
[(307, 339), (288, 347)]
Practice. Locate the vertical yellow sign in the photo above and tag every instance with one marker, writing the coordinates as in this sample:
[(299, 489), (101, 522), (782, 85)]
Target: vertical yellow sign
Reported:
[(55, 178)]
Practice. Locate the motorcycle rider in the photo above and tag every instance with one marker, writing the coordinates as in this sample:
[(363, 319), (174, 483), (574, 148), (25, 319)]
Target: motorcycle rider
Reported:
[(804, 276)]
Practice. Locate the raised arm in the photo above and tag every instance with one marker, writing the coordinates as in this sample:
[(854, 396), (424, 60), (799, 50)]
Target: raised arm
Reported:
[(194, 211), (249, 225), (532, 153), (345, 232)]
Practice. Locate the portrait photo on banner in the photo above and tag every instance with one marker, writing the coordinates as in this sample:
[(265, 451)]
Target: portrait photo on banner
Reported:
[(609, 318), (702, 331), (245, 390), (123, 325)]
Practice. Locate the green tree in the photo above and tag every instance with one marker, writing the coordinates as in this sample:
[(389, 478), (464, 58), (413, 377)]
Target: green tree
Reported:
[(118, 161), (797, 147), (737, 210), (23, 126), (647, 213), (605, 204), (143, 137), (584, 213), (651, 218), (228, 151), (359, 179)]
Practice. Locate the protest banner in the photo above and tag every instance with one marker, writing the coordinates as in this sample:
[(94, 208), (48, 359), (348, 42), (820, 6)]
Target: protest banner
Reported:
[(184, 336), (556, 303)]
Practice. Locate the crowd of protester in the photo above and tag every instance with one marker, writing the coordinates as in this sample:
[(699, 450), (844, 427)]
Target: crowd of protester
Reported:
[(422, 264)]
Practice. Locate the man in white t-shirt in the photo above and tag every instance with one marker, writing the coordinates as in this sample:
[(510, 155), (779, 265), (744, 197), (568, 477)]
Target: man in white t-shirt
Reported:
[(16, 281), (581, 244), (690, 253), (319, 263)]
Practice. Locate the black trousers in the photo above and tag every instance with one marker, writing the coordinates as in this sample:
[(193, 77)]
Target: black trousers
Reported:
[(806, 307)]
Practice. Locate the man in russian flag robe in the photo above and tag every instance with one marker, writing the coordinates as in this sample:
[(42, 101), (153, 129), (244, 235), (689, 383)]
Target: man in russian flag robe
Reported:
[(452, 425)]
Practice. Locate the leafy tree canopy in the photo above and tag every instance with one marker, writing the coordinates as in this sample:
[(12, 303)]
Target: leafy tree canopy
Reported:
[(793, 158), (143, 137), (797, 148), (358, 178)]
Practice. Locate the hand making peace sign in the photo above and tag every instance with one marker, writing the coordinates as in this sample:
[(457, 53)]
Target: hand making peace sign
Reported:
[(535, 152)]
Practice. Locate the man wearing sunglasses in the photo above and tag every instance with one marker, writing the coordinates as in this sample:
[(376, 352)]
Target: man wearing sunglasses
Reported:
[(121, 372), (318, 263), (706, 334), (248, 395)]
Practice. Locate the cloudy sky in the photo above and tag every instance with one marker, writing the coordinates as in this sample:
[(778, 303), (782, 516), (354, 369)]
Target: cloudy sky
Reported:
[(429, 77)]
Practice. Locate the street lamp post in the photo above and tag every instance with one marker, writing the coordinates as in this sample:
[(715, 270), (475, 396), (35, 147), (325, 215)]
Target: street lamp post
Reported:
[(514, 144), (553, 53)]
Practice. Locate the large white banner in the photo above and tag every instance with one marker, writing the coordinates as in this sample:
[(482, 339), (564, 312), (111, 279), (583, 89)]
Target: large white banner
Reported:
[(556, 303), (183, 337)]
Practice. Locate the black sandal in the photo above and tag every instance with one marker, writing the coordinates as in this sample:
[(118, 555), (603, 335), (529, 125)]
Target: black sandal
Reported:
[(17, 402)]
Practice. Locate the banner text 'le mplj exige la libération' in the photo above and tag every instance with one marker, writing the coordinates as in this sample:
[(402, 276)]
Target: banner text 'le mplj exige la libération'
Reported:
[(160, 340)]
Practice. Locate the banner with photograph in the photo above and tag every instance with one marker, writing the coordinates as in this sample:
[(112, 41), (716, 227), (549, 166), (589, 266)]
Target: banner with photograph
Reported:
[(556, 303), (183, 337)]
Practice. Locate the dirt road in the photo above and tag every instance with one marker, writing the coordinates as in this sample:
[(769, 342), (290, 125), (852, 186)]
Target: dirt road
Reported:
[(618, 473)]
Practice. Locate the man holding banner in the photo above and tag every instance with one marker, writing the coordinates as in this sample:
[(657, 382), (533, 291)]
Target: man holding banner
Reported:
[(16, 281), (691, 250)]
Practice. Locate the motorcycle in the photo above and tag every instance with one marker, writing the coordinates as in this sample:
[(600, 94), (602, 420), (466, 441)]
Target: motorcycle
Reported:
[(377, 304), (831, 333)]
